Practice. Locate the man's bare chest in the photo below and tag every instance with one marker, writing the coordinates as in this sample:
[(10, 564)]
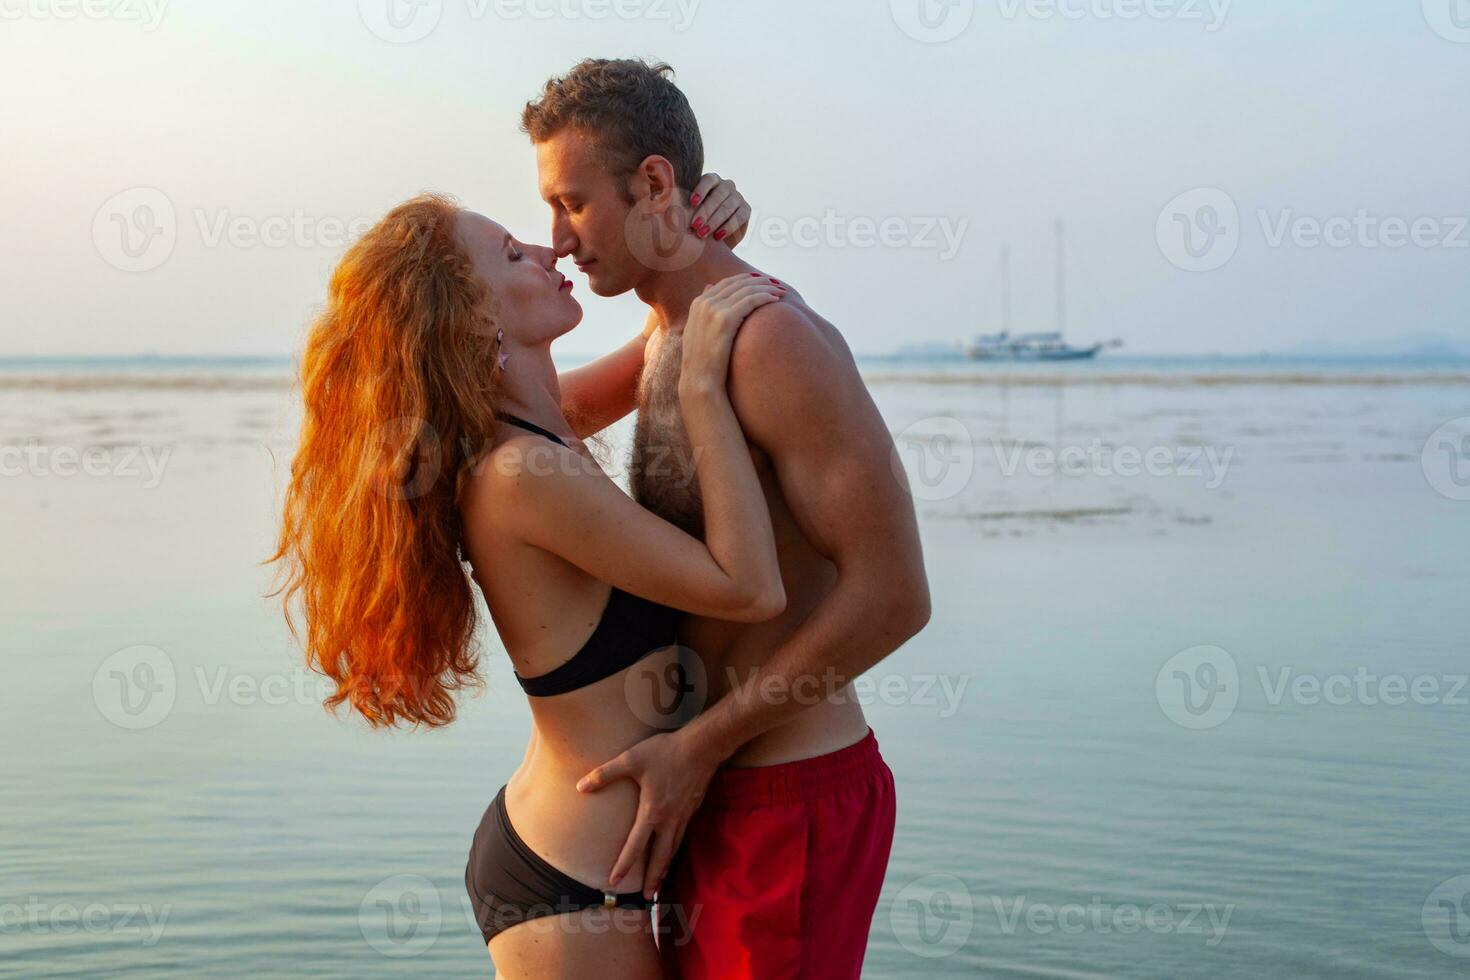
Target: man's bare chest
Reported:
[(662, 474)]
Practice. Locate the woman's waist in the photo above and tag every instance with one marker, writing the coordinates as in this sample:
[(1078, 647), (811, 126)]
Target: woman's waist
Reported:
[(580, 834), (573, 735)]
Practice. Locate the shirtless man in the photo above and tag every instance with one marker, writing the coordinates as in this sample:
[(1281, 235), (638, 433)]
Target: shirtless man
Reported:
[(782, 864)]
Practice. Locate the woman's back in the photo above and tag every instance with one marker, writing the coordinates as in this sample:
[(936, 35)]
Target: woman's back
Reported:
[(546, 610)]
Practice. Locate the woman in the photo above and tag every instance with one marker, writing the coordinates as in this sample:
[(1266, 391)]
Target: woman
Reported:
[(435, 427)]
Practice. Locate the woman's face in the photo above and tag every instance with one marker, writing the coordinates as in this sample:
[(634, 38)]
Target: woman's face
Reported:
[(531, 301)]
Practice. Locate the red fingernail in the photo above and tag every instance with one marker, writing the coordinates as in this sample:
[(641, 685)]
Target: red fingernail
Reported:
[(697, 224), (720, 234), (757, 275), (704, 233), (694, 200), (776, 281)]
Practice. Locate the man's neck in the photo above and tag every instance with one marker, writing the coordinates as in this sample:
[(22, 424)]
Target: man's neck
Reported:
[(670, 293)]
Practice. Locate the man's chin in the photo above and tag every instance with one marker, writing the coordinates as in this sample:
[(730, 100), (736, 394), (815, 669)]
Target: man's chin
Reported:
[(605, 287)]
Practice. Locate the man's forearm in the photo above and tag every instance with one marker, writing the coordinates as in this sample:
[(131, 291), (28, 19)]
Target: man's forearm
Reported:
[(596, 395), (853, 628)]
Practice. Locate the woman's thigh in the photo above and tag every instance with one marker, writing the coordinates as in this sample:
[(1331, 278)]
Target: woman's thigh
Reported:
[(609, 944)]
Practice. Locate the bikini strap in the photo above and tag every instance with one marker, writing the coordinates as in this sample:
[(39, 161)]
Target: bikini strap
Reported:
[(530, 427)]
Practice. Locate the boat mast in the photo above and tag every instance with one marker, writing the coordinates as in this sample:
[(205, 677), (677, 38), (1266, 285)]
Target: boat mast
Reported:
[(1061, 280), (1005, 289)]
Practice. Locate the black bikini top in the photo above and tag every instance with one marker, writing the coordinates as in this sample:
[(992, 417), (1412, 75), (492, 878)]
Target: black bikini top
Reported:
[(630, 629)]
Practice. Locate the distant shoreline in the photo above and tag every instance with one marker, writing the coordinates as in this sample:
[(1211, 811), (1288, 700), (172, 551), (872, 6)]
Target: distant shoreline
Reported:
[(229, 381), (289, 361), (1163, 380), (280, 373)]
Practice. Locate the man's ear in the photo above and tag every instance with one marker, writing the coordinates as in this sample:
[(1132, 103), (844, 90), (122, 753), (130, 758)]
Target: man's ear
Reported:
[(653, 182)]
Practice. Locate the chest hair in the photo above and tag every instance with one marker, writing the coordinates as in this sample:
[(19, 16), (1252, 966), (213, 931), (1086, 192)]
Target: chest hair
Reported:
[(661, 468)]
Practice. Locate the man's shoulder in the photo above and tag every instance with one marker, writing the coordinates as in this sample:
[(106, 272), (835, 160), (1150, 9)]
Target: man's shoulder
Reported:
[(784, 335), (787, 363)]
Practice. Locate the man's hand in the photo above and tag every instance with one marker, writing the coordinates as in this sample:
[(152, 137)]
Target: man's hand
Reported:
[(672, 774)]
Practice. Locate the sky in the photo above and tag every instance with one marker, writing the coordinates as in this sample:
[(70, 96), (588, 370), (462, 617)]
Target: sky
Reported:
[(182, 175)]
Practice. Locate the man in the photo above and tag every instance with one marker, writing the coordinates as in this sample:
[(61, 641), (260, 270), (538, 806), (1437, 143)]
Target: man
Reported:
[(785, 858)]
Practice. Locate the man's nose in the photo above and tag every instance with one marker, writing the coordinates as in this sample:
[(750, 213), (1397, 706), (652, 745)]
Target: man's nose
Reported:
[(563, 239)]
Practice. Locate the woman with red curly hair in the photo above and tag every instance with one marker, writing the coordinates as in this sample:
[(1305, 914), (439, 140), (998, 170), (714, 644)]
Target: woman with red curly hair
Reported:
[(438, 432)]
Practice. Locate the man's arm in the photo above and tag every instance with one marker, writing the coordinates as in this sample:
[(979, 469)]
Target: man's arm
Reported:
[(799, 398), (596, 395)]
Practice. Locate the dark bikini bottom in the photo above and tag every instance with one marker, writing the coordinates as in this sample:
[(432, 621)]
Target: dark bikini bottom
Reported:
[(509, 883)]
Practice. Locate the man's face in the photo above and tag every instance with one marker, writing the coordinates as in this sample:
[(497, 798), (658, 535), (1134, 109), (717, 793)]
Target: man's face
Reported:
[(589, 216)]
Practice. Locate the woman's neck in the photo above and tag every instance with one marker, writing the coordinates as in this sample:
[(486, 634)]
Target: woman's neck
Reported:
[(529, 389)]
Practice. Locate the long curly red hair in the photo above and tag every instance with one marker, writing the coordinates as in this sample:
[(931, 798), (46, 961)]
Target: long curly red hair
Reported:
[(398, 386)]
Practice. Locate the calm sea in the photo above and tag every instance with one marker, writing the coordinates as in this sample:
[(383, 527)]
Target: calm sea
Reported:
[(1193, 702)]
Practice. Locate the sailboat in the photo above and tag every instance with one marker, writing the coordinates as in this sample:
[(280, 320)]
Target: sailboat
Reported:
[(1044, 346)]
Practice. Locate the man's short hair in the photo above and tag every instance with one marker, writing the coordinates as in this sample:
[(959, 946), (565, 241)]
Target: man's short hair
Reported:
[(629, 109)]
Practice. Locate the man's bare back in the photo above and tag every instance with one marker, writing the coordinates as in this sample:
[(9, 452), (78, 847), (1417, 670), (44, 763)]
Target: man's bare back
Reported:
[(663, 480)]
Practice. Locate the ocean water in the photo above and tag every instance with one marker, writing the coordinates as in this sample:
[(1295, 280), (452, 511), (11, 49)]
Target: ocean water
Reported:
[(1192, 702)]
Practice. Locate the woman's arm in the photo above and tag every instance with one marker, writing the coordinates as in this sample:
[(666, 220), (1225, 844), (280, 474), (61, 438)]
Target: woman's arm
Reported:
[(565, 505)]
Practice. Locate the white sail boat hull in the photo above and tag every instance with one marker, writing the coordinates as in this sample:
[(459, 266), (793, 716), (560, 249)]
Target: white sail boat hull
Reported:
[(1047, 346)]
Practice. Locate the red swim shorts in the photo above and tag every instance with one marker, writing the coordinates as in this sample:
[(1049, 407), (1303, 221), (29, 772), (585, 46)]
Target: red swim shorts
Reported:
[(780, 870)]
